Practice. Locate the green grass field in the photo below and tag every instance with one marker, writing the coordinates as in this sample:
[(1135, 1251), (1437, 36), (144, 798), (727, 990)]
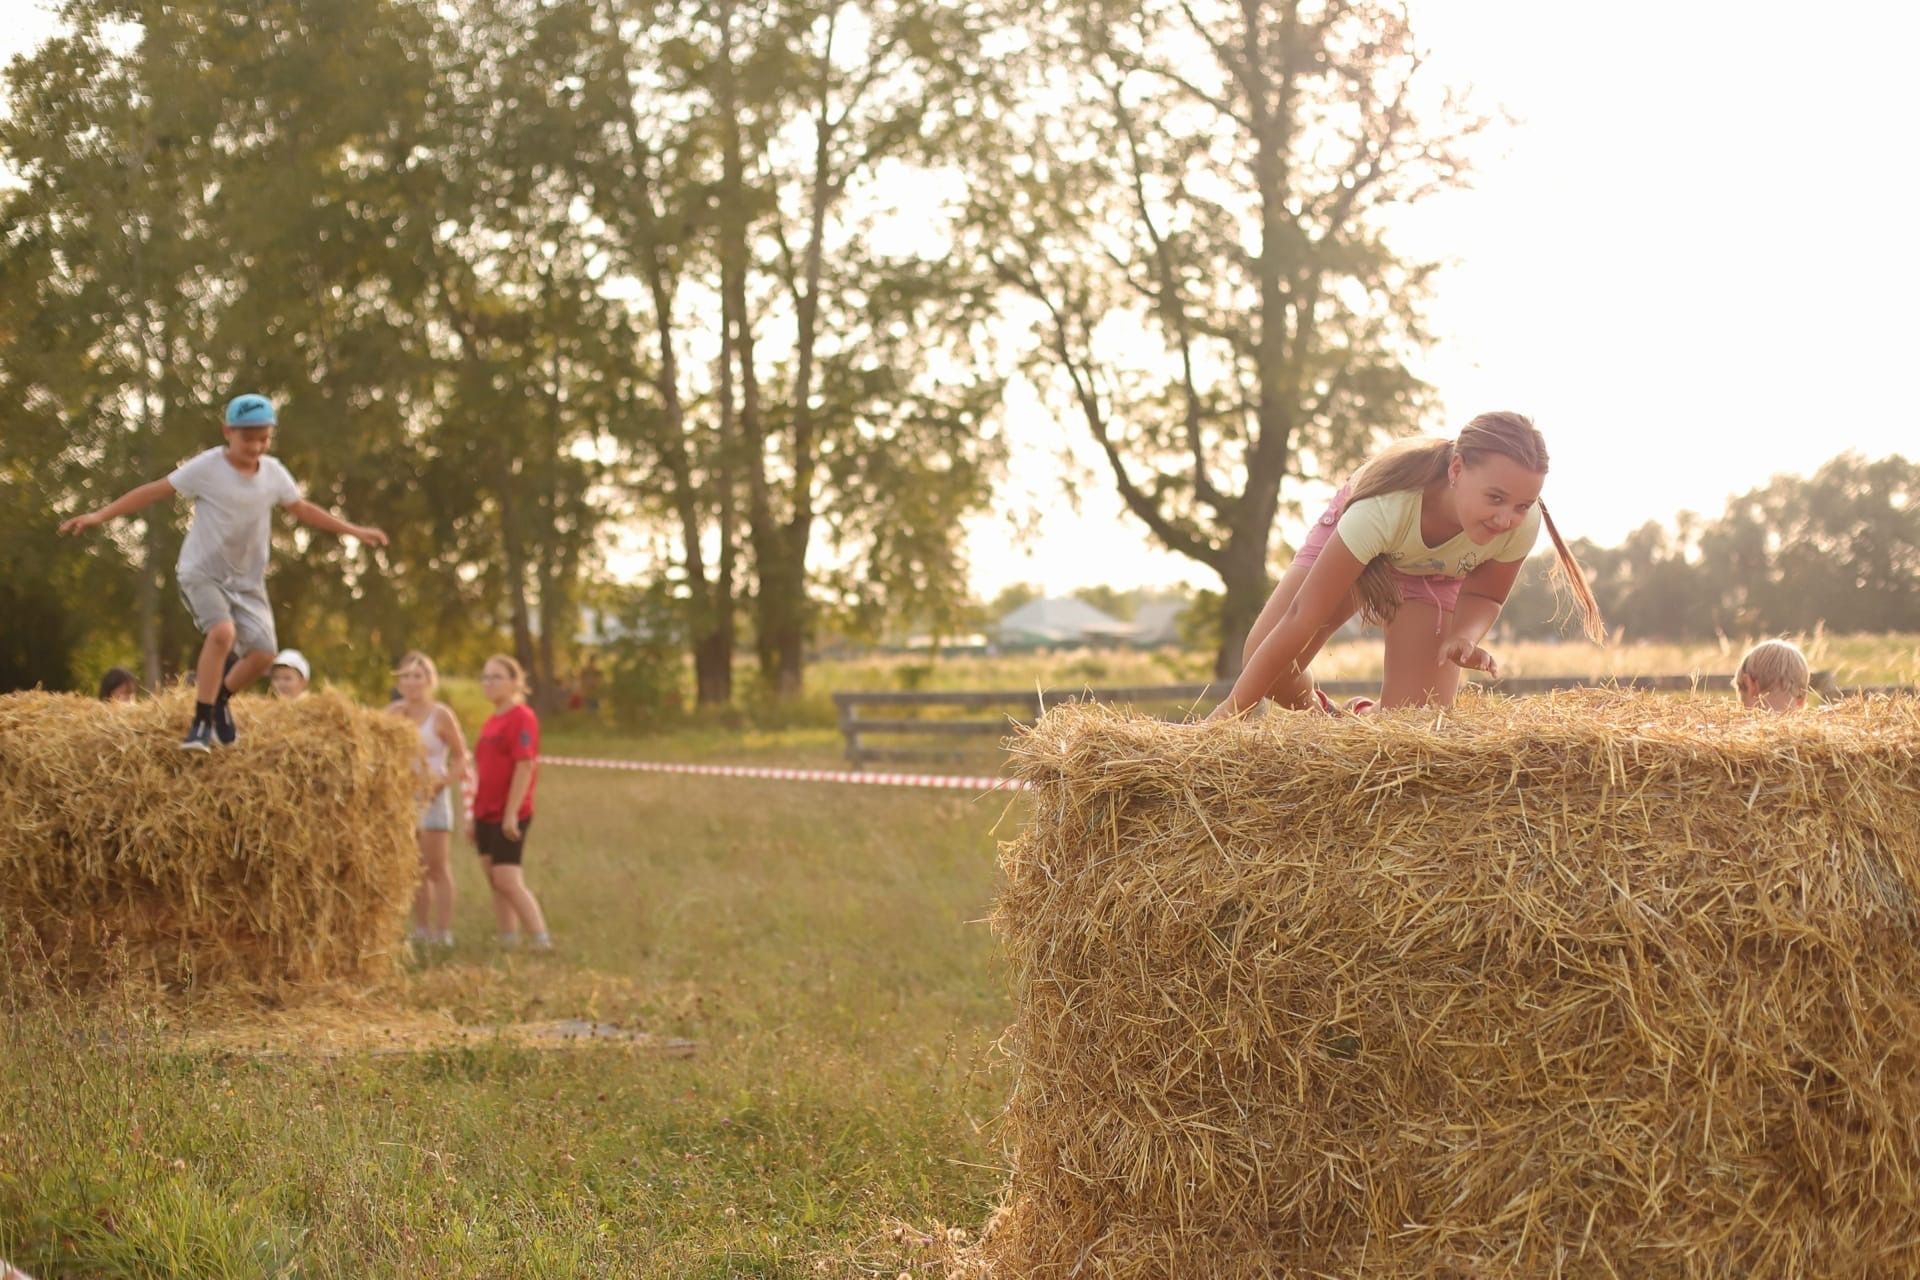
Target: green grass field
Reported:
[(822, 943)]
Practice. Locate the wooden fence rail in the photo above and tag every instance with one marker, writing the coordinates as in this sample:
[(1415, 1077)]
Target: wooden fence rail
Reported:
[(1172, 700)]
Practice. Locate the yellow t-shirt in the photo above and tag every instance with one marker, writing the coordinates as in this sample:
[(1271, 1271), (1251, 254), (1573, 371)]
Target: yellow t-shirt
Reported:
[(1389, 524)]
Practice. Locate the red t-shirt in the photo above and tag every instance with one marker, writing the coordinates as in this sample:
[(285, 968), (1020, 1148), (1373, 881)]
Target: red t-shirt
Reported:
[(507, 738)]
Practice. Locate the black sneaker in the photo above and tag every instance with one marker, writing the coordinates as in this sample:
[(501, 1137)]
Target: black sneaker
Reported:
[(199, 738), (225, 731)]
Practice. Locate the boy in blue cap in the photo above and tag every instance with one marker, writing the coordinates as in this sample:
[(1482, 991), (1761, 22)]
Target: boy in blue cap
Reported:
[(223, 563)]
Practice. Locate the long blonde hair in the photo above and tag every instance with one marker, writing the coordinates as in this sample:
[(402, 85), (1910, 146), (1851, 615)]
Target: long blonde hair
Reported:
[(1423, 461)]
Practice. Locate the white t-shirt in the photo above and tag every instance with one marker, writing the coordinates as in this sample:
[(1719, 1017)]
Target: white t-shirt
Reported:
[(232, 515), (1389, 524)]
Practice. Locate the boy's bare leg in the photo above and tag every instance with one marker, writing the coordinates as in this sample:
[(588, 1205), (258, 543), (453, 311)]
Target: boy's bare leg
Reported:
[(213, 657), (248, 669)]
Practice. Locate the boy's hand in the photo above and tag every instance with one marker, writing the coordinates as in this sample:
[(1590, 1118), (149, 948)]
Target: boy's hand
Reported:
[(371, 536), (1462, 652), (80, 524)]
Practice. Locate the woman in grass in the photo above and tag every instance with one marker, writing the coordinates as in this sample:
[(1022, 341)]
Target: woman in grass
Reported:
[(446, 760), (505, 764), (1426, 540)]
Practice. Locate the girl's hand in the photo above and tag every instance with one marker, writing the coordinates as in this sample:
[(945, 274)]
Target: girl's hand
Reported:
[(371, 536), (510, 827), (1462, 652), (80, 524), (436, 783), (468, 828)]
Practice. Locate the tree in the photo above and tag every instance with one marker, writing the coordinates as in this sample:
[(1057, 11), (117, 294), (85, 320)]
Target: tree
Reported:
[(324, 124), (110, 329), (873, 415), (1841, 547), (540, 357), (1189, 195), (826, 455)]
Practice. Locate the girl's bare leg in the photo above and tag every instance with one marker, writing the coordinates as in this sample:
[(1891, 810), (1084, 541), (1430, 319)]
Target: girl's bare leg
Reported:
[(504, 919), (1415, 676), (434, 905), (510, 887)]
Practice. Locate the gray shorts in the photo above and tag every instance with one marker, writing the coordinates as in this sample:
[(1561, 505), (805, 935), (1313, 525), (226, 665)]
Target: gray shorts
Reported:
[(243, 604), (438, 815)]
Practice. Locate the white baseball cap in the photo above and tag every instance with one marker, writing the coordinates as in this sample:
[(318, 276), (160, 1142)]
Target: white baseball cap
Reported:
[(295, 659)]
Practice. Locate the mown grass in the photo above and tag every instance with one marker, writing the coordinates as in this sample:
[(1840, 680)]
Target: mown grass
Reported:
[(822, 945)]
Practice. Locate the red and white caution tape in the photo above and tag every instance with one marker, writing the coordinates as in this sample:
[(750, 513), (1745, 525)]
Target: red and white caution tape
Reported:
[(955, 782)]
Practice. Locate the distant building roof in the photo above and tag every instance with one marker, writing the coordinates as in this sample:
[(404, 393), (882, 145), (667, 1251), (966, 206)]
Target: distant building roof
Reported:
[(1059, 620), (1157, 622), (597, 627)]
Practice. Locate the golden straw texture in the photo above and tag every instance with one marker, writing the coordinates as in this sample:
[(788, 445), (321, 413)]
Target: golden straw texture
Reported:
[(1587, 985), (286, 858)]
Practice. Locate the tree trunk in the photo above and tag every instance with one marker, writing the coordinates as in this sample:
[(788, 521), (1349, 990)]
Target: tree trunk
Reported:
[(1244, 577), (147, 600), (515, 553), (710, 608), (737, 351), (785, 612)]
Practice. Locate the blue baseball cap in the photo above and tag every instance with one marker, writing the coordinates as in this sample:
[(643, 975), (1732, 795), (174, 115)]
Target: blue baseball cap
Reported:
[(250, 411)]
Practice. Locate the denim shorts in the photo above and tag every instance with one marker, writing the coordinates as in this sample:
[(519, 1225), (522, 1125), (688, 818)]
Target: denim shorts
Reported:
[(438, 813)]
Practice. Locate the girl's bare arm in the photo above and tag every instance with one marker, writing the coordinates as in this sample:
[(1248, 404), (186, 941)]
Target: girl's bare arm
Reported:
[(456, 745), (516, 792), (1320, 597), (133, 500), (1482, 596)]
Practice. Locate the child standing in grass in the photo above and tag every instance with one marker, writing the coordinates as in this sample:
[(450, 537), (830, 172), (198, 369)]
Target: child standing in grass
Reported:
[(504, 765), (1773, 675), (222, 571), (1427, 541), (446, 761)]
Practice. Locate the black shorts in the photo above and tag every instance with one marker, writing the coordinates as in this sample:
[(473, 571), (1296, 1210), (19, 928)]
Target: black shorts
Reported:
[(494, 845)]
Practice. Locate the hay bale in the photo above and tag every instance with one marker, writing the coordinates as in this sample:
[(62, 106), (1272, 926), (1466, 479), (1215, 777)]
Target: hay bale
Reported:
[(1592, 984), (288, 858)]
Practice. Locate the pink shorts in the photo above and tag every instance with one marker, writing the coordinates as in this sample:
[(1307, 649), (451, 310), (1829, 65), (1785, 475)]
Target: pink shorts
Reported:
[(1442, 593)]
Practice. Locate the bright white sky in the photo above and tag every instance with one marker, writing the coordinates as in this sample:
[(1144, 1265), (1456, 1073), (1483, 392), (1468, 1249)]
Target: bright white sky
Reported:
[(1692, 260)]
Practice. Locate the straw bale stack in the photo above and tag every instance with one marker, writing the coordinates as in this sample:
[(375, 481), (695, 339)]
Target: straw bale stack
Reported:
[(1588, 985), (287, 858)]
